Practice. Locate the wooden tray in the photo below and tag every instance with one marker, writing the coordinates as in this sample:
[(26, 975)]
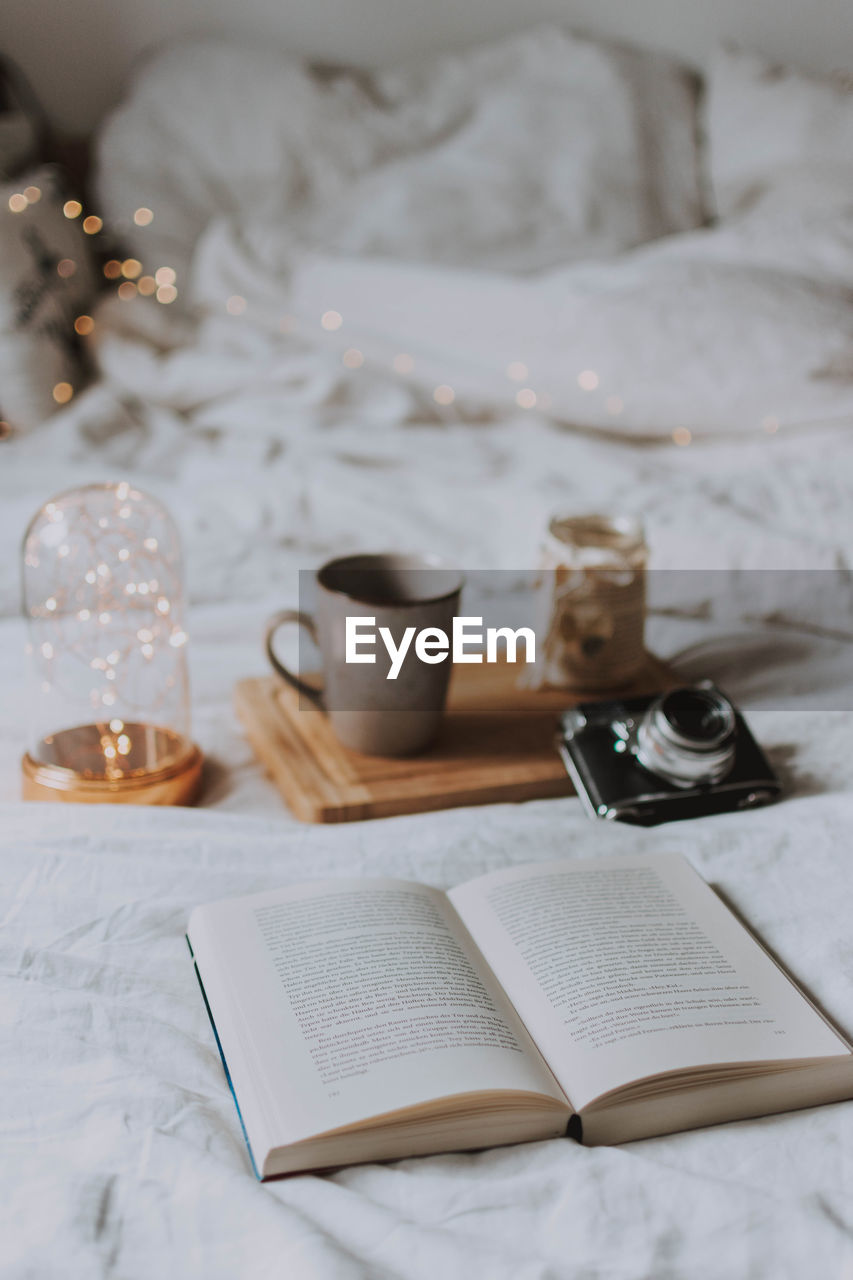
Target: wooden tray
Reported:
[(496, 744)]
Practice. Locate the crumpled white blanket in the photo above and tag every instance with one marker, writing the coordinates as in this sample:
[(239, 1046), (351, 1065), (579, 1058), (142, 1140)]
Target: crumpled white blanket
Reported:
[(123, 1154), (500, 154), (729, 330), (374, 221)]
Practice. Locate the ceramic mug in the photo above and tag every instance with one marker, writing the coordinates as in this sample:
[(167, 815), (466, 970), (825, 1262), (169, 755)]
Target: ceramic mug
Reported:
[(369, 712)]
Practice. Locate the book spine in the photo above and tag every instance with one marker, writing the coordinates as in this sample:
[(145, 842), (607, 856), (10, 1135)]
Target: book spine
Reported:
[(224, 1063)]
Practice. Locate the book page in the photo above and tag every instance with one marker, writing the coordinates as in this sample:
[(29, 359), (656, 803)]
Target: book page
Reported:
[(352, 998), (628, 967)]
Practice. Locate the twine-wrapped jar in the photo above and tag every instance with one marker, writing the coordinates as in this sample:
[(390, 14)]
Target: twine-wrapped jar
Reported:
[(592, 603)]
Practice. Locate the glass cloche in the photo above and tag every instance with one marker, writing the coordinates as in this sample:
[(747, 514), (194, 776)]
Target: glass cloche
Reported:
[(103, 599)]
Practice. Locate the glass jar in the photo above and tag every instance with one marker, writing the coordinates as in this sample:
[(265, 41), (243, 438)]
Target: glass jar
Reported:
[(102, 594), (592, 603)]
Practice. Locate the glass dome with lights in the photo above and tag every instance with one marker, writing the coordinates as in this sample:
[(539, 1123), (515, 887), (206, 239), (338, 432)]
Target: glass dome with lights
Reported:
[(102, 595)]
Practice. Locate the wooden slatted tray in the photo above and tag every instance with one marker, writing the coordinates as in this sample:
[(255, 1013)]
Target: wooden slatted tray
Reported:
[(496, 744)]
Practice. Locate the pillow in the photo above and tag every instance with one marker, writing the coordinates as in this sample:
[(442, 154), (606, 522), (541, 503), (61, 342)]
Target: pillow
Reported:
[(545, 148), (46, 282), (499, 156), (652, 344), (771, 127)]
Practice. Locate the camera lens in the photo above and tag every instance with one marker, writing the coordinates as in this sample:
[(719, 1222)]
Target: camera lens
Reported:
[(688, 736), (699, 715)]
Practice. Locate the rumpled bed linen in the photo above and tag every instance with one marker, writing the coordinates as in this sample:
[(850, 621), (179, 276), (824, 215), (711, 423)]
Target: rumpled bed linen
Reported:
[(123, 1154), (548, 218)]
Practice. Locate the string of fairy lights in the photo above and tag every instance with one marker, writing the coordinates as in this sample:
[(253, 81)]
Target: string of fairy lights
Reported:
[(132, 280), (129, 273), (103, 597), (104, 619)]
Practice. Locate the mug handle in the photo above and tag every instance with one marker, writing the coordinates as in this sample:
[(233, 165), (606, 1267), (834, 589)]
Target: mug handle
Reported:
[(313, 692)]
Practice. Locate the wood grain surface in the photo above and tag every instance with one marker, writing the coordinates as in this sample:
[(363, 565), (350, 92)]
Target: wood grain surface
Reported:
[(496, 744)]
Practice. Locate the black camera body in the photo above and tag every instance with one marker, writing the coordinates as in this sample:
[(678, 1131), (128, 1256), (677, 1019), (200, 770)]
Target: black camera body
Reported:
[(683, 754)]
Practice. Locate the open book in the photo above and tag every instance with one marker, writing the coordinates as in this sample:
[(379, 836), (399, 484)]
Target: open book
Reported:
[(610, 999)]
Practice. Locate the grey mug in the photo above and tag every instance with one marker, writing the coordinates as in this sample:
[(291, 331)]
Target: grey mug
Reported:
[(369, 712)]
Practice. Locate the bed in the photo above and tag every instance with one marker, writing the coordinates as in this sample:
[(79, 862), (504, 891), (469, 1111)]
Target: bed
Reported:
[(715, 314)]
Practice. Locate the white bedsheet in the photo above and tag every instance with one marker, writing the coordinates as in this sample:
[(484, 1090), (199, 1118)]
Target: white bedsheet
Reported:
[(122, 1150), (122, 1153)]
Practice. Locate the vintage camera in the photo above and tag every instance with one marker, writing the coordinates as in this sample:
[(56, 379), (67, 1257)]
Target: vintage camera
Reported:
[(682, 754)]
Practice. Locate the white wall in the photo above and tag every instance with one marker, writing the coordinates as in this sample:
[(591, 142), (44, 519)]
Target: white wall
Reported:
[(78, 53)]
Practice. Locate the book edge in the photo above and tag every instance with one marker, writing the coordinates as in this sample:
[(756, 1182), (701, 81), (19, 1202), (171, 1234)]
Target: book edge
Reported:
[(223, 1061)]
